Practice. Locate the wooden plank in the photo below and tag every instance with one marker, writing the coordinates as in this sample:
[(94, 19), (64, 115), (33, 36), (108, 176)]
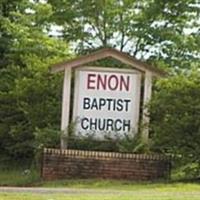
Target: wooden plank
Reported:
[(79, 61), (104, 53), (146, 99), (65, 108), (136, 64)]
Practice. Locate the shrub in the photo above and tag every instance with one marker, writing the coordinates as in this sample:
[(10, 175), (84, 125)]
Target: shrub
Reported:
[(175, 115)]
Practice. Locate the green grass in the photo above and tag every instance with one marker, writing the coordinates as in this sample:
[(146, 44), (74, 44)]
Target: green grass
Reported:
[(101, 189), (120, 185), (184, 193), (18, 177), (23, 177)]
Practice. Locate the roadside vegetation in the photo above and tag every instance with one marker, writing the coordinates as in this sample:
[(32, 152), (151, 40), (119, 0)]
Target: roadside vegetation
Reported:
[(19, 177)]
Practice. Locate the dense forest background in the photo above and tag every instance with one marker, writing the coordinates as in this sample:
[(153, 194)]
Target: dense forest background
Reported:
[(34, 34)]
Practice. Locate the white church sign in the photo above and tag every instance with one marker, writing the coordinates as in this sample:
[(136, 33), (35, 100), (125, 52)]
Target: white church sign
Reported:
[(106, 101)]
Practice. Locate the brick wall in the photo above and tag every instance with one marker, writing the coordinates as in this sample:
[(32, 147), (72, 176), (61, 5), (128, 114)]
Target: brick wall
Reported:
[(60, 164)]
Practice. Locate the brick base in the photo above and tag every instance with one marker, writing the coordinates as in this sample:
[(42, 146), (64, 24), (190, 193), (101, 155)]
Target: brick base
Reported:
[(60, 164)]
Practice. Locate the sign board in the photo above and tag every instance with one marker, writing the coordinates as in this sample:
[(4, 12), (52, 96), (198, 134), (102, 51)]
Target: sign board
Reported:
[(106, 101)]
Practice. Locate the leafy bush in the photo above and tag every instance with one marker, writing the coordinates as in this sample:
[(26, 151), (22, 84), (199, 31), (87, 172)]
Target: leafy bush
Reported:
[(47, 137), (128, 144), (30, 96), (175, 114)]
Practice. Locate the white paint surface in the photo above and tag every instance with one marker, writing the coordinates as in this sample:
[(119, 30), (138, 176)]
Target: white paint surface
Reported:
[(82, 91), (65, 106), (146, 99)]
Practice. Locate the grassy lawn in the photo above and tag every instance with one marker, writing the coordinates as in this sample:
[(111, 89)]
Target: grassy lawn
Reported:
[(101, 189), (128, 186), (113, 190), (18, 177), (143, 194)]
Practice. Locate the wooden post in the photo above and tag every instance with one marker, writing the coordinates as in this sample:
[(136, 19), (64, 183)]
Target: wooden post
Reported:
[(65, 108), (146, 99)]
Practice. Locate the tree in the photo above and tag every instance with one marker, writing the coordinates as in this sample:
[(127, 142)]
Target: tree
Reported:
[(29, 94), (175, 112), (164, 32)]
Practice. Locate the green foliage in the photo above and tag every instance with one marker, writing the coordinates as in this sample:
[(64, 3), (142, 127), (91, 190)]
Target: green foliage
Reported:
[(47, 137), (187, 172), (175, 111), (125, 144), (92, 144), (30, 96), (18, 177), (160, 31), (132, 144)]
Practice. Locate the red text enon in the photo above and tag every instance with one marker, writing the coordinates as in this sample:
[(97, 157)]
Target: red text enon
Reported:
[(108, 82)]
